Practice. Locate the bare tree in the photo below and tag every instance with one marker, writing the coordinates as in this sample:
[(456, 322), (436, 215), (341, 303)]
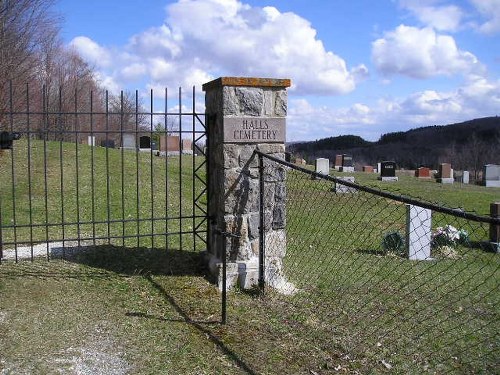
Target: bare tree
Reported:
[(25, 25)]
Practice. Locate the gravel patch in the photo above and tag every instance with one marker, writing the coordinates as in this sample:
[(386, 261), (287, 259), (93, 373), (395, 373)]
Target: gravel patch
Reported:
[(53, 249)]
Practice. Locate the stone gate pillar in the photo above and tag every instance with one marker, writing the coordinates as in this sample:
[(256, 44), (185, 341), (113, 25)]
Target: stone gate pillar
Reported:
[(243, 114)]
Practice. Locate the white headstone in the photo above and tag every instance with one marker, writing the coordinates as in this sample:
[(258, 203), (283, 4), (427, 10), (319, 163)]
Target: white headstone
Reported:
[(91, 140), (323, 166), (418, 232), (341, 188), (491, 175), (128, 141), (465, 177)]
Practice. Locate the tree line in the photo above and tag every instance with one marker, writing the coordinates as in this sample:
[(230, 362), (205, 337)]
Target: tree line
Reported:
[(62, 93), (467, 146)]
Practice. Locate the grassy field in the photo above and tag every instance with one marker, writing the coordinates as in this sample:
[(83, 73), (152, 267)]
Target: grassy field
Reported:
[(146, 310), (125, 198)]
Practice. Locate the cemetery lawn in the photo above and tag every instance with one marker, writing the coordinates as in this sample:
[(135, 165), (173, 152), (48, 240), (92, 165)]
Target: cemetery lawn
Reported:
[(142, 309)]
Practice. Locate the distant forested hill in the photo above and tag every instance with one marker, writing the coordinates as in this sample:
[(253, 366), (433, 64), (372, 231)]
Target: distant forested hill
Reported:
[(466, 145)]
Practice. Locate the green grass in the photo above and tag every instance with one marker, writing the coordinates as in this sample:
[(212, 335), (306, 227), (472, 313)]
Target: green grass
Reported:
[(113, 194), (148, 310)]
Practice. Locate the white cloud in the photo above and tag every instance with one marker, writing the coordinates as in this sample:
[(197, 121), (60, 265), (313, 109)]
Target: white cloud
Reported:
[(421, 53), (477, 97), (207, 38), (91, 51), (489, 9), (439, 17)]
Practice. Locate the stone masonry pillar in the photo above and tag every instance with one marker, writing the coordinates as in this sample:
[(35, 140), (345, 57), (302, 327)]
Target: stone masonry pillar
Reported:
[(242, 115)]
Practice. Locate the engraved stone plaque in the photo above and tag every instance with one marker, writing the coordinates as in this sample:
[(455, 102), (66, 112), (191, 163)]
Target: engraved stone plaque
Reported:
[(254, 129)]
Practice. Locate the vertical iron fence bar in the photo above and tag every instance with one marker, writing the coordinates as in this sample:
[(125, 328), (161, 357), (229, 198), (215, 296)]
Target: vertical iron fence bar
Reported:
[(1, 225), (123, 169), (61, 168), (151, 170), (138, 227), (193, 202), (45, 119), (77, 165), (180, 169), (30, 190), (166, 167), (224, 283), (261, 226), (108, 208), (13, 179), (92, 165)]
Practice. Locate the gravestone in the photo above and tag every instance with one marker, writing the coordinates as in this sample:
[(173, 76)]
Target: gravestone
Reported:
[(322, 166), (491, 175), (347, 163), (423, 172), (145, 142), (465, 177), (108, 143), (128, 141), (187, 146), (243, 115), (91, 140), (379, 167), (342, 189), (338, 162), (388, 171), (418, 232), (300, 161), (368, 169), (445, 173), (169, 145)]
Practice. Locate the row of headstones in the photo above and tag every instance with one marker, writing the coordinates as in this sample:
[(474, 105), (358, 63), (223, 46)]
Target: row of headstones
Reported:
[(168, 143), (387, 168), (491, 172)]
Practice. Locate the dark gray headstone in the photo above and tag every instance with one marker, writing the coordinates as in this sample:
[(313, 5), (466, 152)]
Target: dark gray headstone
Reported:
[(109, 143), (145, 142), (347, 160), (388, 169)]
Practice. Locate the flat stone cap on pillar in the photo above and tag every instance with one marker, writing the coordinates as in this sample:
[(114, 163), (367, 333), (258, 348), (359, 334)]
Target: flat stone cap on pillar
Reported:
[(247, 82)]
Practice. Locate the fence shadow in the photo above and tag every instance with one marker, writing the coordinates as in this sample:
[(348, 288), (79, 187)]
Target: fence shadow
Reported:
[(135, 261)]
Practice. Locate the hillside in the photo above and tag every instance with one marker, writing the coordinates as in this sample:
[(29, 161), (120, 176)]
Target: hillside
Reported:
[(466, 145)]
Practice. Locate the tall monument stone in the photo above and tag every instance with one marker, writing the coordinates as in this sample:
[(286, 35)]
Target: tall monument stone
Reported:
[(243, 115)]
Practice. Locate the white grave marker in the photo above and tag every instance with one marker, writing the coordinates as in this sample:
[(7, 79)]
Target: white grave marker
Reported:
[(418, 232), (323, 166)]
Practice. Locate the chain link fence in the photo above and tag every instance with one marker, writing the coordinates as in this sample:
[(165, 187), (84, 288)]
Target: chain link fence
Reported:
[(383, 282)]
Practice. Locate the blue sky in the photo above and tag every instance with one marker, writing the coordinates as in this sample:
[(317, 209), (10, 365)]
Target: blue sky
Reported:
[(358, 67)]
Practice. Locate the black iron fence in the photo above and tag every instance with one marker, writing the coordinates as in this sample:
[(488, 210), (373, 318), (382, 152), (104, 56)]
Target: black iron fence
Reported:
[(91, 168), (373, 281)]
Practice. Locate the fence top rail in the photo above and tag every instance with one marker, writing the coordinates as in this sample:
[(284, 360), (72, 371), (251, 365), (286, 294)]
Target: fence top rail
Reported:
[(457, 212)]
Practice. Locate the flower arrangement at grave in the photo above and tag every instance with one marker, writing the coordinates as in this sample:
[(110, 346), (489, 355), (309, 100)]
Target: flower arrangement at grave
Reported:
[(445, 240), (448, 236)]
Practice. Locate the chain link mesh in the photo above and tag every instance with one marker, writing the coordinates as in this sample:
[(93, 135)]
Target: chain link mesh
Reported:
[(352, 291)]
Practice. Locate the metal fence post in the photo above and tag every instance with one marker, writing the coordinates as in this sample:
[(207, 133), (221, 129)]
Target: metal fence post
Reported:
[(224, 288), (495, 229), (261, 225)]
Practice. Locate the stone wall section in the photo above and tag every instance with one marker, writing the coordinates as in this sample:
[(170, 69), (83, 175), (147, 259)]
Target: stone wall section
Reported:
[(234, 182)]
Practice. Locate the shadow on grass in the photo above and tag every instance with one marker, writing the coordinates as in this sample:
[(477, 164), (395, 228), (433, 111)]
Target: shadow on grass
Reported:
[(200, 326), (148, 262), (138, 261)]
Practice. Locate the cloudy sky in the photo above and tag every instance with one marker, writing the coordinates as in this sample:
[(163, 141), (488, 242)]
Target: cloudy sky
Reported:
[(360, 67)]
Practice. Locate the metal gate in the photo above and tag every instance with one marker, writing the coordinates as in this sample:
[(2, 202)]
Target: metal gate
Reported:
[(81, 167)]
